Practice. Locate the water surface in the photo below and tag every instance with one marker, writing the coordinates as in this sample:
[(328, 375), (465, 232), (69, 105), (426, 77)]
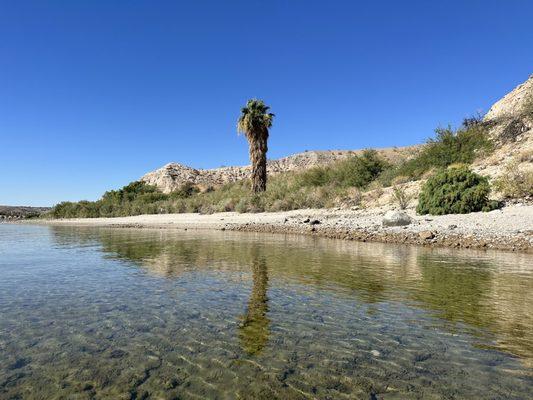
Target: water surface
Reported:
[(130, 314)]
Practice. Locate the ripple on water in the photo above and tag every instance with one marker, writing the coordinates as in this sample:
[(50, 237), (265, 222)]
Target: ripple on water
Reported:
[(102, 313)]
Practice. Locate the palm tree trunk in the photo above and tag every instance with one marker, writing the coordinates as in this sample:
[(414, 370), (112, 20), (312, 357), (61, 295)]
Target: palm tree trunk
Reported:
[(258, 150)]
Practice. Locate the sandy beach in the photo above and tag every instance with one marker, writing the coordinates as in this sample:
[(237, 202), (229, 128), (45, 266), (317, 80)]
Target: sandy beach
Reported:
[(510, 228)]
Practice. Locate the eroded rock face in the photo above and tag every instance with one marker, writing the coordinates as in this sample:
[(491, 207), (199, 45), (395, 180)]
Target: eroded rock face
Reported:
[(511, 118), (510, 125), (396, 218), (512, 104)]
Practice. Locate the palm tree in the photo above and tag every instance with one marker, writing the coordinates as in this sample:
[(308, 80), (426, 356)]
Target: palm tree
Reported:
[(254, 122)]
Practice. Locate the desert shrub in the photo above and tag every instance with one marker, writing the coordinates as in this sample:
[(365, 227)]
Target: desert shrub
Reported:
[(241, 206), (515, 182), (133, 199), (448, 147), (316, 176), (454, 191), (513, 128), (355, 171), (188, 189), (358, 171), (401, 197), (473, 121)]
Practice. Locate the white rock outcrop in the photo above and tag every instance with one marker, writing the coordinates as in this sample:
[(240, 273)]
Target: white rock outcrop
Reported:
[(513, 103)]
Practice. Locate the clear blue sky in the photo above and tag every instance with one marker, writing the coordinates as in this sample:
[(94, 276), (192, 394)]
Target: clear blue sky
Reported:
[(93, 94)]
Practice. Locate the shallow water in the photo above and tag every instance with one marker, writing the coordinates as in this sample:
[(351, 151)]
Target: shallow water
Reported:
[(131, 314)]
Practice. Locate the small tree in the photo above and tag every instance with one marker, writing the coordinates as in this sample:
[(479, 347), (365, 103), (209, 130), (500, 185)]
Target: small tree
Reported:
[(400, 196)]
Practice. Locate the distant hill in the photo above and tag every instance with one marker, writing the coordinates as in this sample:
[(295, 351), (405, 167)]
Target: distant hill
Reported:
[(19, 212), (174, 175)]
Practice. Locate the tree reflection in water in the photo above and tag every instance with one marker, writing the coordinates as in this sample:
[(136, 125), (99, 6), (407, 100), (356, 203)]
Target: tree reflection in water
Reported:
[(254, 328)]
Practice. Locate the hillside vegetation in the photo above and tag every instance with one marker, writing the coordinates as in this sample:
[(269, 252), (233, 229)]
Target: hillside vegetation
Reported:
[(340, 183), (17, 212)]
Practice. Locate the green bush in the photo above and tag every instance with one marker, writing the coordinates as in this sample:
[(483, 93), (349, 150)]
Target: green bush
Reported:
[(456, 190), (355, 171), (358, 171), (133, 199), (447, 148)]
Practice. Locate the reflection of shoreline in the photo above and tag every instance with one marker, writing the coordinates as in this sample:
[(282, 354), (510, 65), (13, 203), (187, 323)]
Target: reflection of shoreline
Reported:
[(483, 289), (254, 327), (509, 229)]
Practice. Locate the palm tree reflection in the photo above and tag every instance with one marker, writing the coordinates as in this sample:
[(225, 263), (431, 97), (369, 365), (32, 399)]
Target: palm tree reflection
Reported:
[(254, 328)]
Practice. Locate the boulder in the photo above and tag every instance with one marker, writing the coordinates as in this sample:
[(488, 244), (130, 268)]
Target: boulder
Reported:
[(396, 218), (426, 235)]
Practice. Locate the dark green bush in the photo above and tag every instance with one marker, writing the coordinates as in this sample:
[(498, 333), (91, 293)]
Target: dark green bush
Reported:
[(133, 199), (456, 190)]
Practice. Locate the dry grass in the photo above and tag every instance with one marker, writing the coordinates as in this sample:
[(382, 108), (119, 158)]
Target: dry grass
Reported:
[(525, 156), (516, 181), (401, 197)]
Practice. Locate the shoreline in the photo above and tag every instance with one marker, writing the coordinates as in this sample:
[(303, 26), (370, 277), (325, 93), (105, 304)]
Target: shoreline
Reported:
[(510, 228)]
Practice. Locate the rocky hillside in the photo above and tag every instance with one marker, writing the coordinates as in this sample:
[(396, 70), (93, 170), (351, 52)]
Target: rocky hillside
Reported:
[(174, 175), (510, 125)]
